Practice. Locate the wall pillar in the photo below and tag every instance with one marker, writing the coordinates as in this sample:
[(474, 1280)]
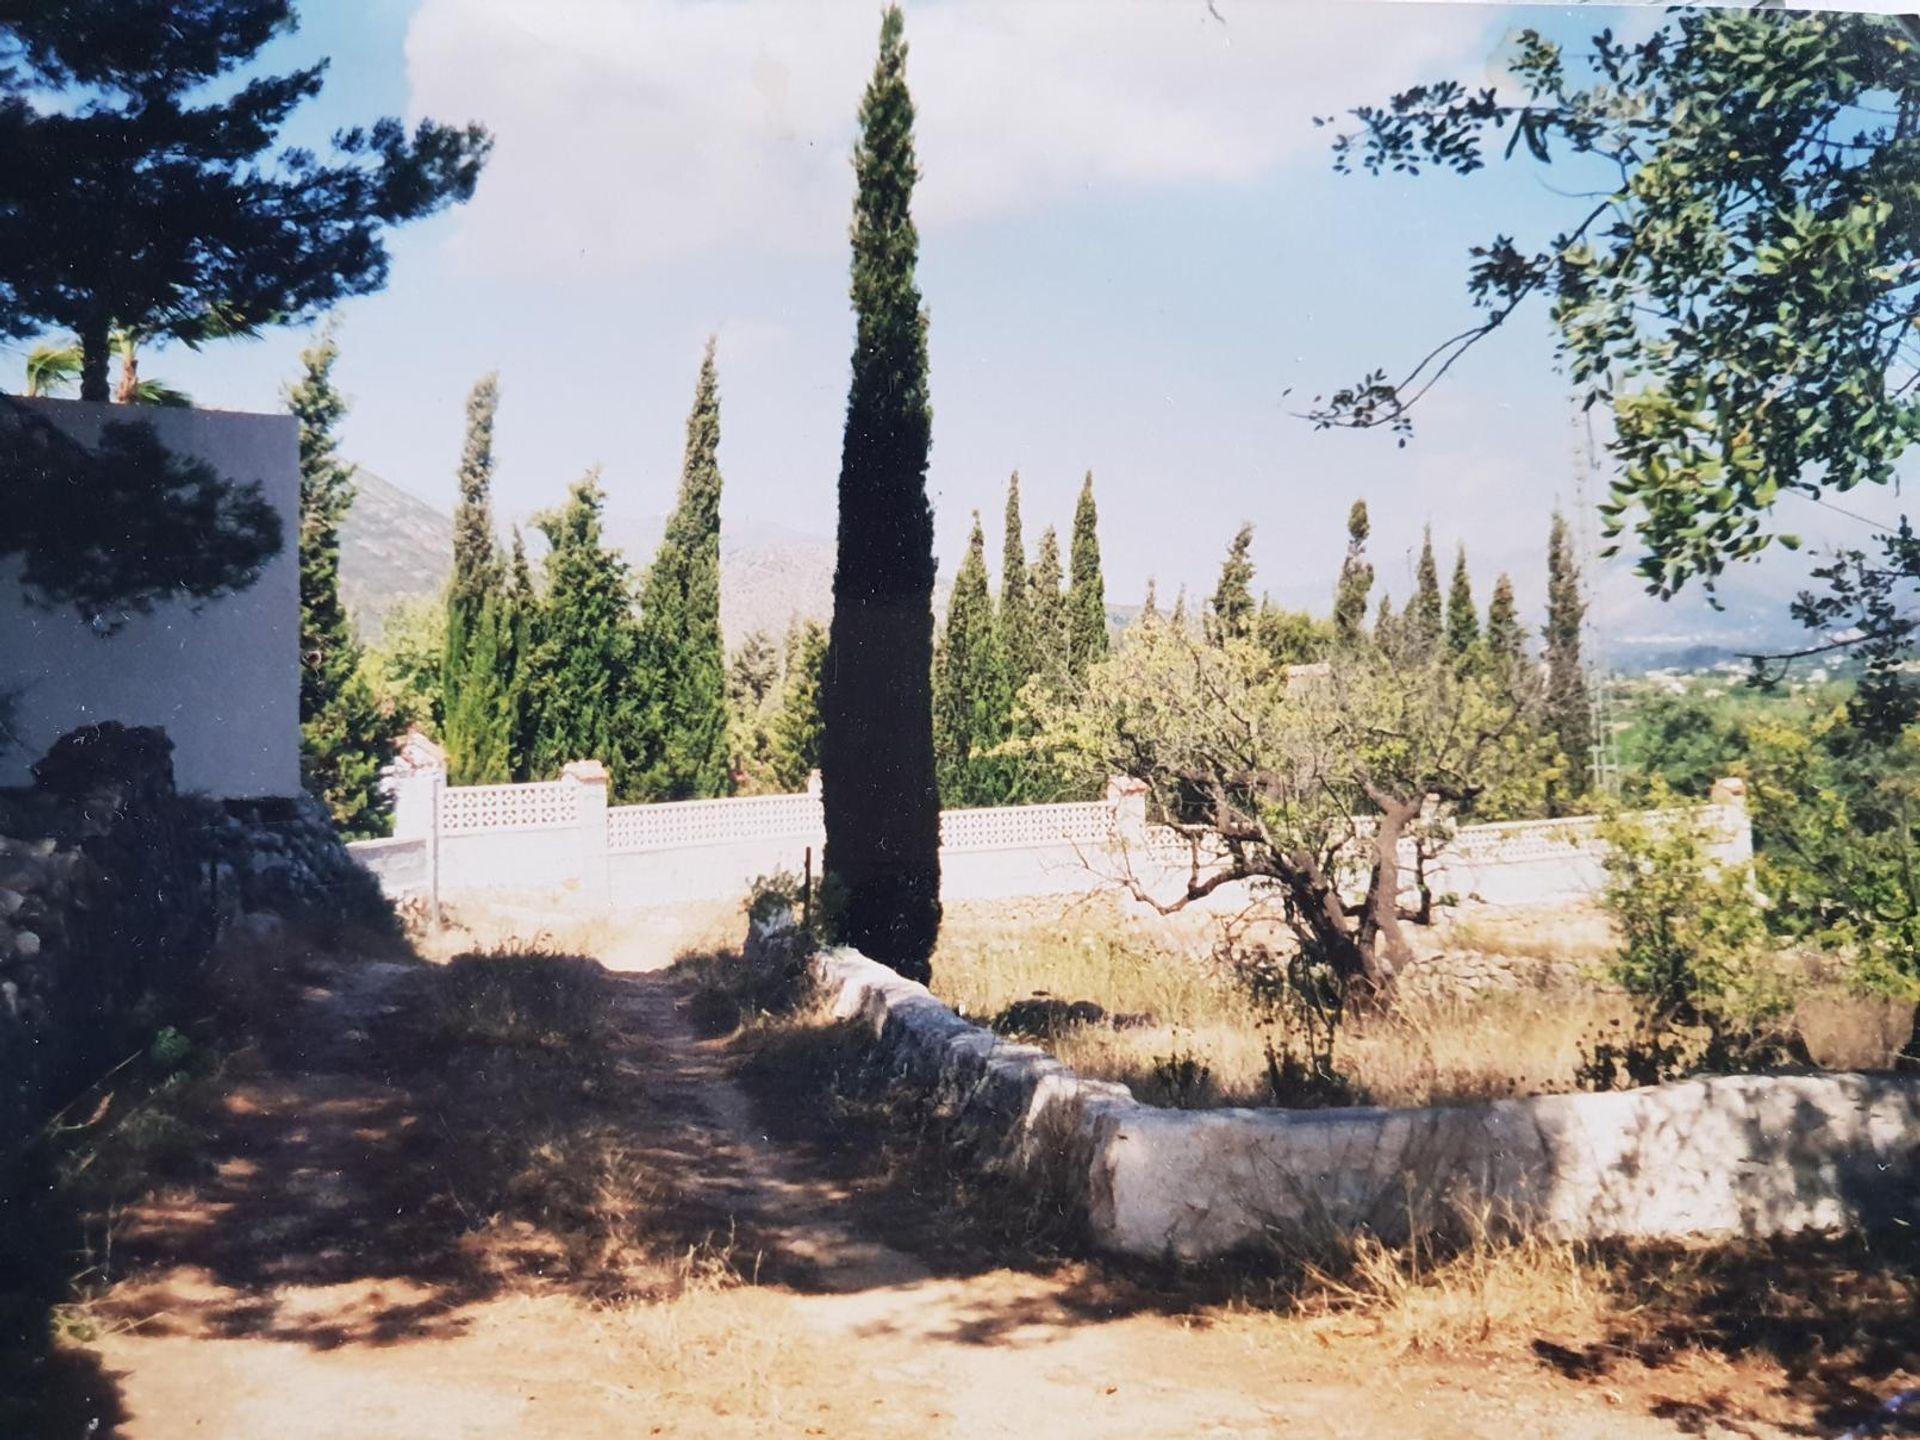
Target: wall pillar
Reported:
[(596, 885), (1730, 794), (416, 797)]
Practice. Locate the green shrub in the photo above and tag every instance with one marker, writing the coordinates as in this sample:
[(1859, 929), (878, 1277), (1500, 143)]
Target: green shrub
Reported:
[(1695, 955)]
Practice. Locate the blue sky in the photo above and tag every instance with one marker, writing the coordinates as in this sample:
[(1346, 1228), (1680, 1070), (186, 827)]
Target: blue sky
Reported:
[(1133, 248)]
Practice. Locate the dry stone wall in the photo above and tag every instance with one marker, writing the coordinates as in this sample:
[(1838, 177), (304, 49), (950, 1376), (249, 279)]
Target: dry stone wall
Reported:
[(113, 890)]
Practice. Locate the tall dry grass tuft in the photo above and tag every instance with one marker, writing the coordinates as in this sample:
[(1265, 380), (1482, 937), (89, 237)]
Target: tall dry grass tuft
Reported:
[(1183, 1033), (518, 996)]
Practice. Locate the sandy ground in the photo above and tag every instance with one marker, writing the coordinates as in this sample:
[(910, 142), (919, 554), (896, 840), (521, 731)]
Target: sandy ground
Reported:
[(320, 1286)]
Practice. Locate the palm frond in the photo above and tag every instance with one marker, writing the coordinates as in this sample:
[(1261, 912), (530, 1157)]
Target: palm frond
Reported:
[(52, 369)]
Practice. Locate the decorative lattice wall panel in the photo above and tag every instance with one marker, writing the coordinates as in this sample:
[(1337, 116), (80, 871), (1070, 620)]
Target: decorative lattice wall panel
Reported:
[(681, 823), (1018, 827), (472, 808)]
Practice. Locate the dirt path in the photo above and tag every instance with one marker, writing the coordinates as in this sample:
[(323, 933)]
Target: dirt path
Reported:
[(340, 1273)]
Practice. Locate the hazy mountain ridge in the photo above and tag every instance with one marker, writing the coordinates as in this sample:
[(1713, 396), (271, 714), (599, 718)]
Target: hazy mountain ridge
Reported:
[(394, 545)]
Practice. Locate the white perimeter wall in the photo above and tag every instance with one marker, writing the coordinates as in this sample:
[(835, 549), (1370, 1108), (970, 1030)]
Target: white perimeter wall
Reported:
[(222, 681), (557, 842)]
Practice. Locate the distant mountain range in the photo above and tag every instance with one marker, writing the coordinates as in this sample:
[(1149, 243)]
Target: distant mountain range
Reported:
[(394, 545)]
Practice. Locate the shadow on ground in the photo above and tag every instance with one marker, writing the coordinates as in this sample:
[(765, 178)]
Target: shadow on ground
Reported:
[(1824, 1325), (392, 1158), (411, 1142)]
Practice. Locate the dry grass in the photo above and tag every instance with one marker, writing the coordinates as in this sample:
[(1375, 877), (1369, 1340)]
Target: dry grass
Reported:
[(1848, 1031), (524, 997), (1803, 1334), (1181, 1033), (1572, 934)]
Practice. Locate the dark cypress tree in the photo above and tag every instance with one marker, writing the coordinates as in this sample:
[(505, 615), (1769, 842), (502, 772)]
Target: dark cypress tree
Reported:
[(586, 680), (682, 651), (1356, 579), (478, 716), (344, 741), (794, 736), (519, 637), (1506, 642), (1230, 615), (880, 795), (972, 704), (1150, 607), (1016, 609), (1463, 622), (1086, 591), (1569, 715), (1047, 611), (1426, 617)]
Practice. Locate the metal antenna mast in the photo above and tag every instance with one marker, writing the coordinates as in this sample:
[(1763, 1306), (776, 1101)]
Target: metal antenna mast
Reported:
[(1599, 671)]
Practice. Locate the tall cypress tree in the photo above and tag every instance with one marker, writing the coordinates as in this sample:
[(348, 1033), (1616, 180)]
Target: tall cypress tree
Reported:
[(1150, 607), (519, 636), (344, 741), (1016, 610), (1178, 620), (585, 675), (1230, 616), (1086, 591), (1387, 626), (1047, 611), (972, 702), (478, 717), (1426, 616), (1463, 622), (682, 651), (1356, 579), (880, 794), (794, 735), (1506, 642), (1569, 715)]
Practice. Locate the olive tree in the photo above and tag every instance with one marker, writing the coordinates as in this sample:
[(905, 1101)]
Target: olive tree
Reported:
[(1307, 777)]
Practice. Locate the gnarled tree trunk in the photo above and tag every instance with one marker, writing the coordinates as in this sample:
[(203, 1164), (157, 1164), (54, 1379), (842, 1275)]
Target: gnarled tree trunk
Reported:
[(1380, 916)]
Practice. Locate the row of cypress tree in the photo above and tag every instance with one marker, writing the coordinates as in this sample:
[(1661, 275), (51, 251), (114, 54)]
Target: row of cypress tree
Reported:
[(989, 653), (1449, 622), (593, 662)]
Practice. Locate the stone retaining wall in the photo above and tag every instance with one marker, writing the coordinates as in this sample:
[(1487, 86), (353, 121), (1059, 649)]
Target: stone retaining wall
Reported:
[(1723, 1157)]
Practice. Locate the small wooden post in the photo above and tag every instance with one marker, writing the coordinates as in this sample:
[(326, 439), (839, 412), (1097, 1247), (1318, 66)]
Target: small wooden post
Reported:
[(437, 782), (806, 892)]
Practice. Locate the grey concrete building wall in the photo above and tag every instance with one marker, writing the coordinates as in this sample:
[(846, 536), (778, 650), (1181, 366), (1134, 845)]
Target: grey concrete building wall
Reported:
[(223, 679)]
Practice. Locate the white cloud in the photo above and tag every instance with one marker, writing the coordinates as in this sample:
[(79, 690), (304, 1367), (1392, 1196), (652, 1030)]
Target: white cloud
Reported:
[(635, 130)]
